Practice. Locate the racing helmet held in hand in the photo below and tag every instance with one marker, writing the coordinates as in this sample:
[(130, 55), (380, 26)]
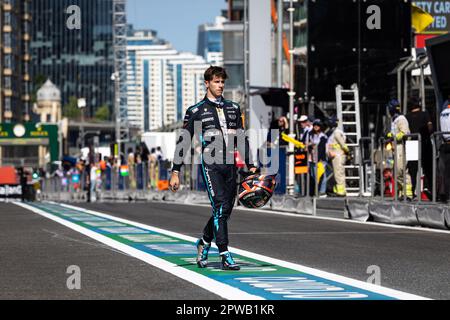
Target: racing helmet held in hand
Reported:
[(256, 190)]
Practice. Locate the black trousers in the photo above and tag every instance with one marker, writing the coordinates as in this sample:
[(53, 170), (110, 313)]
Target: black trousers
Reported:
[(444, 172), (220, 181)]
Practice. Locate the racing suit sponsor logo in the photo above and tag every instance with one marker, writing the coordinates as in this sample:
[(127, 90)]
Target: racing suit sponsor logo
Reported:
[(232, 117), (208, 182), (249, 196), (232, 124), (211, 133), (194, 110), (208, 119)]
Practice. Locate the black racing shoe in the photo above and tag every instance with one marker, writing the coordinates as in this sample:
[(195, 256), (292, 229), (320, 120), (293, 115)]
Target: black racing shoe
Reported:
[(202, 253), (228, 262)]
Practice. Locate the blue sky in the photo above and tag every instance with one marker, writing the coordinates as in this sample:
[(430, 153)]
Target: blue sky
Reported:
[(176, 21)]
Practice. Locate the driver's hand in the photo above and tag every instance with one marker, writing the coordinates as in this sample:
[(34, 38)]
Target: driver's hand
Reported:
[(174, 182)]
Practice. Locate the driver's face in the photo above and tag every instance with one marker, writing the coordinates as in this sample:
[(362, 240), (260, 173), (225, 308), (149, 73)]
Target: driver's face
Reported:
[(216, 86)]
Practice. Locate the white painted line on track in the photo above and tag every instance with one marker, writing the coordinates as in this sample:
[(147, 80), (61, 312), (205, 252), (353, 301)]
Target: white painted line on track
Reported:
[(216, 287), (315, 272)]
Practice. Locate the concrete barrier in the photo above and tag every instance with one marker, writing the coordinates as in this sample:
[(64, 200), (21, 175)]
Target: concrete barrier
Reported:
[(400, 213), (290, 203), (276, 203), (357, 209), (432, 216), (404, 214), (305, 206), (447, 216), (380, 211)]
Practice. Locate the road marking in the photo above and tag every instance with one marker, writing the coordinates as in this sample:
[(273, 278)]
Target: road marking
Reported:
[(261, 277), (220, 289)]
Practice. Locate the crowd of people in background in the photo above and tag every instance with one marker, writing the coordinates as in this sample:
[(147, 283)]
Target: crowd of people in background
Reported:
[(328, 152), (139, 169), (326, 147)]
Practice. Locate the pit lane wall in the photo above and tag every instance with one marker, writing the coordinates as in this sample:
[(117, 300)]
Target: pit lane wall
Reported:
[(429, 215)]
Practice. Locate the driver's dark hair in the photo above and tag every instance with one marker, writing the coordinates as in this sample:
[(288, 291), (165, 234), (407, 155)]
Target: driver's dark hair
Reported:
[(215, 71)]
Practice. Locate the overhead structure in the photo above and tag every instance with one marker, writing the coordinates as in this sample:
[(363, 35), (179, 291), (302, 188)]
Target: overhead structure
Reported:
[(120, 74)]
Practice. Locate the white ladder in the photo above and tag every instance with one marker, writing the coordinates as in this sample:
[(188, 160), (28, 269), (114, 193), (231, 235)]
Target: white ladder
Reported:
[(348, 115)]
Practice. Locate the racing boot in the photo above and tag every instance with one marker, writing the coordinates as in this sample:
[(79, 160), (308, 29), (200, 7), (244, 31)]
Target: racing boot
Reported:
[(202, 253), (228, 262)]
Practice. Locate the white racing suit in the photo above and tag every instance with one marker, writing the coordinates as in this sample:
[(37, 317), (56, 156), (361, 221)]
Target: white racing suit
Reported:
[(337, 150), (400, 128)]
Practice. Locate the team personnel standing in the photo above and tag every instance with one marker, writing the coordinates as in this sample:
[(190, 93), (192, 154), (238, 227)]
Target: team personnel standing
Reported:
[(337, 151), (217, 120), (303, 130), (444, 156), (399, 128), (420, 122), (317, 145)]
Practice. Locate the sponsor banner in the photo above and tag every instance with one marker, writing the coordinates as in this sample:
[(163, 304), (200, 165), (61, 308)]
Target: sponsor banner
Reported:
[(10, 191), (440, 10)]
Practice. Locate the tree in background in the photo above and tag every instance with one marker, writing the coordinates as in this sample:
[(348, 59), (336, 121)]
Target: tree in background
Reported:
[(71, 109), (38, 82), (102, 113)]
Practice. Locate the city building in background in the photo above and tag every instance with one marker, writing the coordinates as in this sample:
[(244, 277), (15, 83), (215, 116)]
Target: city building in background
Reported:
[(233, 51), (162, 82), (210, 43), (80, 60), (15, 29)]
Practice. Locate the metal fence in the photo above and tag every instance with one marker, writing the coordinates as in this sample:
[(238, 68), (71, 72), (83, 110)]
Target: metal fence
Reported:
[(372, 160)]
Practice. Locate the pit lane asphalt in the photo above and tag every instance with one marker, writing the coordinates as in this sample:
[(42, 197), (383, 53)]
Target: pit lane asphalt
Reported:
[(413, 261), (35, 253)]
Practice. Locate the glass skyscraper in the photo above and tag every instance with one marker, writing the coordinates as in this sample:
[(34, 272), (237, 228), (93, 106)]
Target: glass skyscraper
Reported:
[(15, 79), (80, 61), (210, 42)]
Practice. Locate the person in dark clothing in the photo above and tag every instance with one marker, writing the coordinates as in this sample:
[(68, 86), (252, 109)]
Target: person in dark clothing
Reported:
[(420, 122), (444, 157), (23, 183), (282, 125), (317, 145), (219, 124)]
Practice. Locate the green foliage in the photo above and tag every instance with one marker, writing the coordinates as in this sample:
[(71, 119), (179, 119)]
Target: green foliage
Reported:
[(38, 82), (102, 113), (71, 109)]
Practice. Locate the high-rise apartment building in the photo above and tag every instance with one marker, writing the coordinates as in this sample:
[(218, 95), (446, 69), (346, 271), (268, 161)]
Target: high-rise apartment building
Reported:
[(15, 20), (210, 41), (162, 82), (72, 45)]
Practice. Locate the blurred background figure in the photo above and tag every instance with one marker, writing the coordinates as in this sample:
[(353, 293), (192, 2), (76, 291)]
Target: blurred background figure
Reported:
[(420, 122), (399, 128), (337, 151), (317, 144)]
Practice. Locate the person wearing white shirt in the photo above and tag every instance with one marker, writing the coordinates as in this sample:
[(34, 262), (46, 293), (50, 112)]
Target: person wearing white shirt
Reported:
[(444, 156)]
